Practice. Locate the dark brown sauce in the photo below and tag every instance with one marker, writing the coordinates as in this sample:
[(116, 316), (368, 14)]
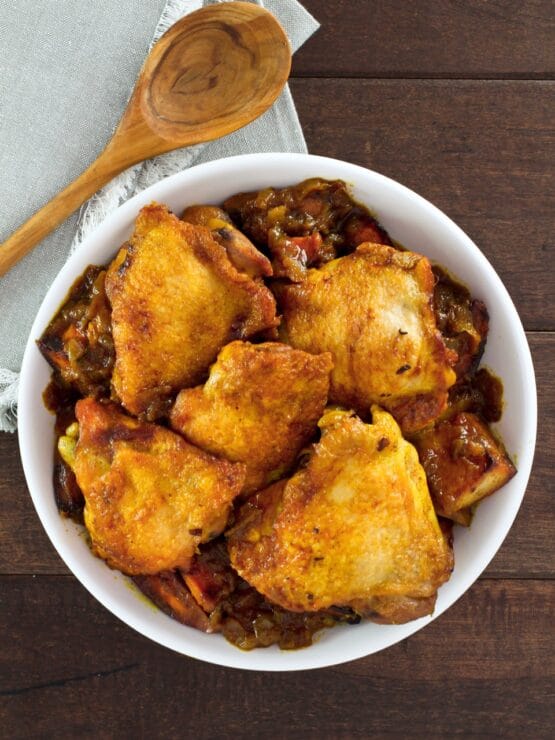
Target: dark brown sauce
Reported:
[(304, 225), (78, 341), (60, 400), (248, 620), (481, 393), (462, 321)]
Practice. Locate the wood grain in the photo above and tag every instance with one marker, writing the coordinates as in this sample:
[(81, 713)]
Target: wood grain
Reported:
[(483, 152), (430, 38), (527, 553), (71, 669)]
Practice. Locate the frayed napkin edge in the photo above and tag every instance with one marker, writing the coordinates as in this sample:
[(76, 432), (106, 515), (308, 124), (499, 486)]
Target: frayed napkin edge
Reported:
[(9, 387)]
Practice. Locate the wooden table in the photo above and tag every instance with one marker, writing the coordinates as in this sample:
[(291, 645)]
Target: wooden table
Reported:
[(456, 100)]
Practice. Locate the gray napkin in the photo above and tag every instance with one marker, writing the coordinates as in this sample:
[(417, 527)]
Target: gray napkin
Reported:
[(66, 72)]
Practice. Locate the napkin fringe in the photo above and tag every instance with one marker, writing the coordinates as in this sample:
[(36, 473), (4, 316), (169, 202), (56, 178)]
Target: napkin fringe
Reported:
[(95, 210), (9, 384), (140, 176)]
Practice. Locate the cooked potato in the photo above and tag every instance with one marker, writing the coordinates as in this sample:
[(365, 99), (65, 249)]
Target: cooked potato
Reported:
[(464, 464), (176, 300), (355, 527), (172, 596), (150, 497), (373, 311), (260, 406), (210, 579)]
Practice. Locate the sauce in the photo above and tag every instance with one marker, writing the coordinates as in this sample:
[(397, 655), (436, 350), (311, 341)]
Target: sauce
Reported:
[(78, 341), (304, 225)]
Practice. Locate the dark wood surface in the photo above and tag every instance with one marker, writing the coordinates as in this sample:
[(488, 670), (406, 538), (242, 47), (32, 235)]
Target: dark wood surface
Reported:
[(456, 100)]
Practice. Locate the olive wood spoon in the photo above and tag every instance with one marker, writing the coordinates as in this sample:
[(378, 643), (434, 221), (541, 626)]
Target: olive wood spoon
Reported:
[(211, 73)]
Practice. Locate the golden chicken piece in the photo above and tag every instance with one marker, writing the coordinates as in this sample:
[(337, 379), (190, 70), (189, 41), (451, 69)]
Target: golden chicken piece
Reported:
[(373, 311), (240, 250), (354, 528), (150, 497), (176, 300), (464, 463), (260, 406)]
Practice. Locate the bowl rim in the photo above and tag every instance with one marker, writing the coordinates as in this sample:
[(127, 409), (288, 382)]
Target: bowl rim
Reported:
[(255, 660)]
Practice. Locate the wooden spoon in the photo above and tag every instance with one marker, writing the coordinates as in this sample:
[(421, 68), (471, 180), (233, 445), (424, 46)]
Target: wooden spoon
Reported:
[(211, 73)]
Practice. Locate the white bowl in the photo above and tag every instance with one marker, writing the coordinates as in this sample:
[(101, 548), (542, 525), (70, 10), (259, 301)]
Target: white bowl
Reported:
[(416, 224)]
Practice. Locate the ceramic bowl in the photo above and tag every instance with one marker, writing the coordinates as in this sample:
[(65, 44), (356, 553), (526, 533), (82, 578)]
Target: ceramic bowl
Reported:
[(412, 221)]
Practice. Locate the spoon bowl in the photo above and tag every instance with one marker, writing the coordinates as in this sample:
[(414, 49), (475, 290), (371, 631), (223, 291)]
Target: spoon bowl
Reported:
[(214, 73), (211, 73)]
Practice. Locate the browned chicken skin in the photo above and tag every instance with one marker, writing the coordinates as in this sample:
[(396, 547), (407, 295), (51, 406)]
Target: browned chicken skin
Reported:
[(373, 311), (150, 497), (355, 527), (240, 250), (260, 405)]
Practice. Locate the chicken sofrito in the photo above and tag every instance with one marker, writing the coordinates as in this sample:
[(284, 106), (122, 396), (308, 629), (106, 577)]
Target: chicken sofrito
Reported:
[(270, 416)]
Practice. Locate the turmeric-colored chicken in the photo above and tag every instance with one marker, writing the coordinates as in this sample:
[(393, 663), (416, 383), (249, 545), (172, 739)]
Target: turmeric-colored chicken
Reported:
[(353, 528), (176, 300), (150, 497), (260, 406), (373, 311)]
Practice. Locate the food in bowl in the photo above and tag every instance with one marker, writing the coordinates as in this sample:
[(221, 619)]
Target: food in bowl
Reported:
[(194, 434)]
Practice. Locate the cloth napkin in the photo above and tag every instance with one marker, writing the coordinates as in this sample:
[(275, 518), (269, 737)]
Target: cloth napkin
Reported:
[(66, 72)]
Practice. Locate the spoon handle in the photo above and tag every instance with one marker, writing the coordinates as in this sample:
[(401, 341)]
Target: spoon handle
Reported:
[(58, 209)]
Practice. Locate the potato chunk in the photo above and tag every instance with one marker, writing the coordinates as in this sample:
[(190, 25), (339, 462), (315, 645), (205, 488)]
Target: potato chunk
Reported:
[(176, 300), (172, 596), (260, 406), (373, 311), (150, 497), (463, 463), (354, 528)]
